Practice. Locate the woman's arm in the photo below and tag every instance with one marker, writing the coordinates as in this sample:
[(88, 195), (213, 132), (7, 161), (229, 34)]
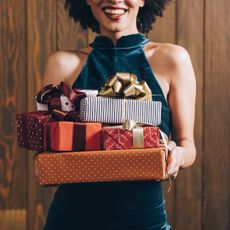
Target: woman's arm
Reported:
[(181, 98)]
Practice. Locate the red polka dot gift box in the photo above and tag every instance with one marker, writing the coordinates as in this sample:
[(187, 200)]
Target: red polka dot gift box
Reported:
[(30, 129), (101, 166)]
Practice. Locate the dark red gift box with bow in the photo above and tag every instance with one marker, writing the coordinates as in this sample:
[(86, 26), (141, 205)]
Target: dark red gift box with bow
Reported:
[(38, 131)]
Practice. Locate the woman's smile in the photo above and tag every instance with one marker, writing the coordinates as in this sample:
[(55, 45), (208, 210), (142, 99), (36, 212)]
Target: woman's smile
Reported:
[(115, 13)]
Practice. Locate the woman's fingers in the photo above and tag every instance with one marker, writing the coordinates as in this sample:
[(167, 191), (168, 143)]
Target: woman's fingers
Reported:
[(171, 145), (173, 159), (172, 165)]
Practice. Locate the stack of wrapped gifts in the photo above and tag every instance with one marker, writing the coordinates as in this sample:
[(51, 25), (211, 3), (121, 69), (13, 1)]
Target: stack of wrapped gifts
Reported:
[(90, 136)]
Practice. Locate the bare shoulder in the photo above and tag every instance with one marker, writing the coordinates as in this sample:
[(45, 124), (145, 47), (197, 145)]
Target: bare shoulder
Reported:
[(172, 55), (169, 61), (64, 65)]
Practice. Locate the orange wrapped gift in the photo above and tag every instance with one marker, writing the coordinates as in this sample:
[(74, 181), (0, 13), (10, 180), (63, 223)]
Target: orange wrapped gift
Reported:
[(72, 136), (101, 166)]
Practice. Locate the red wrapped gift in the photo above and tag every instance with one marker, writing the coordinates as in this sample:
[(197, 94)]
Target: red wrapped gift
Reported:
[(114, 138), (30, 129), (72, 136), (31, 126)]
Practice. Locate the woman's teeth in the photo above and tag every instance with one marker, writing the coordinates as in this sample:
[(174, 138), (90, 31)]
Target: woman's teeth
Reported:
[(114, 11)]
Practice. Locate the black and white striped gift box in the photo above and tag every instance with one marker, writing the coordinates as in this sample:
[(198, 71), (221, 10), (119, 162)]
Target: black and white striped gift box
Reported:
[(109, 110)]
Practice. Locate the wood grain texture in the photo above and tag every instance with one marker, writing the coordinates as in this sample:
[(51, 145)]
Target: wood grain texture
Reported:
[(165, 28), (189, 216), (30, 30), (190, 34), (165, 31), (12, 100), (70, 36), (13, 219), (41, 32), (216, 160), (41, 27)]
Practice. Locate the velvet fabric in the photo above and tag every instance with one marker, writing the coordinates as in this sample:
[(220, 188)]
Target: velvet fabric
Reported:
[(132, 205)]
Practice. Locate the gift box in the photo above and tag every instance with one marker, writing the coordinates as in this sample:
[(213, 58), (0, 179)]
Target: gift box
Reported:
[(62, 97), (139, 137), (72, 136), (109, 110), (101, 166), (30, 129)]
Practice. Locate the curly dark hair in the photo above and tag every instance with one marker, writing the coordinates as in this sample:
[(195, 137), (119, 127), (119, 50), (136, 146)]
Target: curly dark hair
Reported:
[(80, 11)]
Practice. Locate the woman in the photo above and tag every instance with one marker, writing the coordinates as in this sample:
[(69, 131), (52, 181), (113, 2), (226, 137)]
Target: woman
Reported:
[(167, 69)]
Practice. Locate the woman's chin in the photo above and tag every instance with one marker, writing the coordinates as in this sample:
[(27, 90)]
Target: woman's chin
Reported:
[(118, 29)]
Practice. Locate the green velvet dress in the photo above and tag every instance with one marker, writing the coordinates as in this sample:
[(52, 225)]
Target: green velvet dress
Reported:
[(130, 205)]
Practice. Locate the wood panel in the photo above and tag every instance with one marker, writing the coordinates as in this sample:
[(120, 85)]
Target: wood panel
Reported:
[(12, 100), (41, 27), (70, 36), (13, 219), (190, 34), (165, 28), (30, 30), (216, 158), (162, 33)]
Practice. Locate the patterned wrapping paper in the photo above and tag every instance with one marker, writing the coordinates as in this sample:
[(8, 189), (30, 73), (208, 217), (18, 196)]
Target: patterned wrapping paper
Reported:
[(72, 136), (30, 129), (141, 137), (101, 166), (107, 110)]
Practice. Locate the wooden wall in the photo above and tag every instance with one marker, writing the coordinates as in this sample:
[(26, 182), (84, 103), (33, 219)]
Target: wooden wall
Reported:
[(30, 30)]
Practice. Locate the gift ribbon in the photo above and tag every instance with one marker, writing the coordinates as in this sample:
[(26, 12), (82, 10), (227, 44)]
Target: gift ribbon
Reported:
[(138, 131), (50, 95), (78, 136), (59, 115), (138, 137), (164, 139), (125, 85)]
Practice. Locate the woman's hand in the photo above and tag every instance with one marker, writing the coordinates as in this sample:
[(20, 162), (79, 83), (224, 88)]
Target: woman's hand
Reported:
[(176, 158)]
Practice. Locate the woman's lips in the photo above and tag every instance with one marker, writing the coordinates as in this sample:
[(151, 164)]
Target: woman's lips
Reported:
[(114, 13)]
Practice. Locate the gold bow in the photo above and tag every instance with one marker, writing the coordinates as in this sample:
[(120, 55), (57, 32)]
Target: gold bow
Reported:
[(125, 85)]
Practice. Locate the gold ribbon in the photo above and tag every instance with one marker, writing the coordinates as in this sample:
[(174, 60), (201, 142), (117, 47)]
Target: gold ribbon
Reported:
[(138, 138), (138, 133), (125, 85), (165, 143)]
